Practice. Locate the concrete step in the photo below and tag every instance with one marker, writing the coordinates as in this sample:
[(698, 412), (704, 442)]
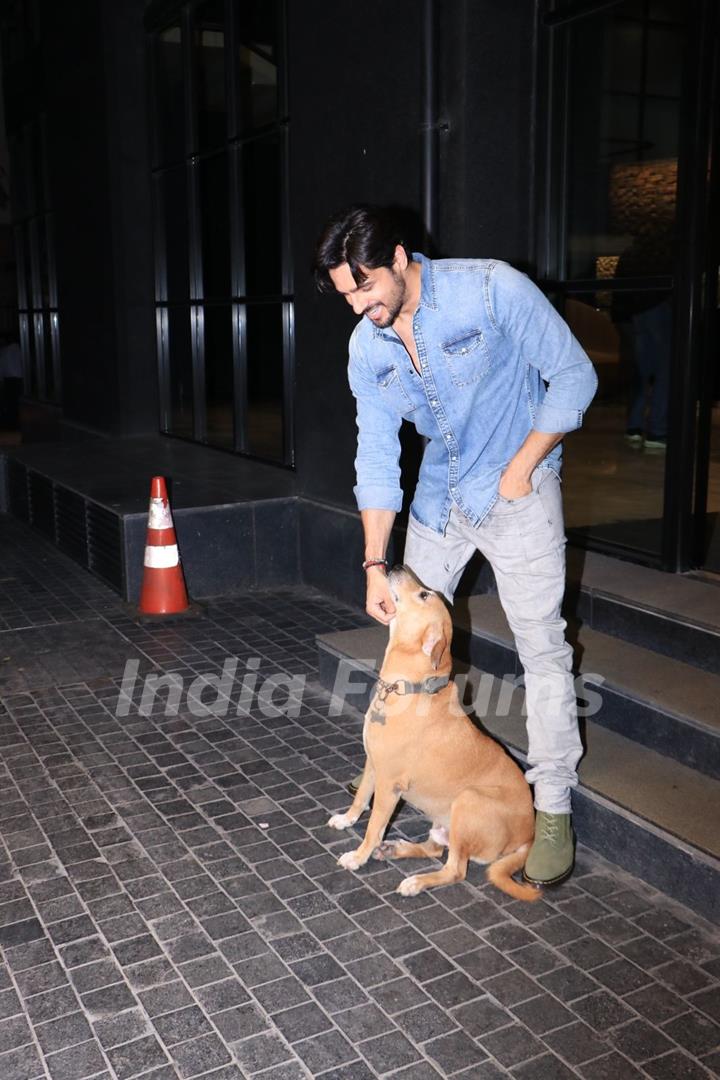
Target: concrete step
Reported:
[(672, 614), (665, 704), (653, 816)]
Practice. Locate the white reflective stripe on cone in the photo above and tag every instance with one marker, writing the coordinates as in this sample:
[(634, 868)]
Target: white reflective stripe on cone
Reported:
[(161, 557), (159, 516)]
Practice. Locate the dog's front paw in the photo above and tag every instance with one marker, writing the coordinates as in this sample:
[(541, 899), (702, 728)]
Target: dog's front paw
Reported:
[(386, 850), (341, 821), (351, 860), (410, 886)]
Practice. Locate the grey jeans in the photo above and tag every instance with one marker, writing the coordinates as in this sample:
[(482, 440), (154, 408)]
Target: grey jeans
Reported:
[(524, 542)]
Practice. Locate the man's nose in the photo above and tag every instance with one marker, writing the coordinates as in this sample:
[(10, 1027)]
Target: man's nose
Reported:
[(358, 304)]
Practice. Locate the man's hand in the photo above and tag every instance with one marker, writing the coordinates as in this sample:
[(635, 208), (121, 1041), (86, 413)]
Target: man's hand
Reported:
[(515, 481), (514, 484), (379, 601)]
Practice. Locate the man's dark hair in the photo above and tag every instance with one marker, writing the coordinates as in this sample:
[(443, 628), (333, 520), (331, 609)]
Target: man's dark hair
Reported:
[(359, 236)]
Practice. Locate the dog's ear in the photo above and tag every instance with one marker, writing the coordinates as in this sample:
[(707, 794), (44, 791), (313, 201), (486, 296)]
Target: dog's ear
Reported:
[(434, 644)]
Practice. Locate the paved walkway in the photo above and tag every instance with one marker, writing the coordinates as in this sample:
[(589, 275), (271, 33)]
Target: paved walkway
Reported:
[(170, 904)]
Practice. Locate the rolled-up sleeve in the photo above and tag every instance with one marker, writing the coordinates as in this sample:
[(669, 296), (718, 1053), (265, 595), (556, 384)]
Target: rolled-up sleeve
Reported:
[(377, 464), (520, 310)]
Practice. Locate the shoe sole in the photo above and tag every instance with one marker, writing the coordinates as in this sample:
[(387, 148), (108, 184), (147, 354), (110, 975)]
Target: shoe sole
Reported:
[(553, 881)]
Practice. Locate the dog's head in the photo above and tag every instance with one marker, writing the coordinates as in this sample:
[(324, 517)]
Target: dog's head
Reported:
[(422, 625)]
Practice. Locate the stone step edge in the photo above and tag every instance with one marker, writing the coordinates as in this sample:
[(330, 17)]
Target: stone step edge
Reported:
[(506, 641)]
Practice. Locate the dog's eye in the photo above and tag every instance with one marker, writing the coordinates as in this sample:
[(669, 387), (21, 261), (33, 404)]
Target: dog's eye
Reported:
[(424, 594)]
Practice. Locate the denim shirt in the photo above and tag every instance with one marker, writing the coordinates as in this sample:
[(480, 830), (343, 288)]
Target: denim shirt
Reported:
[(487, 341)]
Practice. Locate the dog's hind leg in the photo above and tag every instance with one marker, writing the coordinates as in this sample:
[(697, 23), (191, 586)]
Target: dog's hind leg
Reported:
[(454, 870)]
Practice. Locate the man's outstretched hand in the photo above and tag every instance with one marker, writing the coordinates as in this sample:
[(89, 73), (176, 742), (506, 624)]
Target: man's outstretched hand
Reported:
[(379, 601)]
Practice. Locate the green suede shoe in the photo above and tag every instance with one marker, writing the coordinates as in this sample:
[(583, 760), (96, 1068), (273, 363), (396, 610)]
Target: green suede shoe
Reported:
[(552, 855), (355, 784)]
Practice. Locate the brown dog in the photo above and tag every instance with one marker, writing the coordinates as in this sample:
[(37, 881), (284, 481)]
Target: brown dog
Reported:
[(421, 746)]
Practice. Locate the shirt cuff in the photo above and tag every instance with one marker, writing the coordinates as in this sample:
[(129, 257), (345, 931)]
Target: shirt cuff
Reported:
[(553, 421), (373, 497)]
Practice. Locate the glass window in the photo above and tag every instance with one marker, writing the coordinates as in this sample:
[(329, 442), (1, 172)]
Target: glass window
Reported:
[(262, 231), (219, 381), (219, 228), (180, 371), (264, 335), (209, 44), (257, 65), (623, 130), (214, 206), (171, 187), (169, 96)]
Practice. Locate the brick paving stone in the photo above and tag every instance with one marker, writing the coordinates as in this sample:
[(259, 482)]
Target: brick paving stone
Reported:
[(576, 1043), (611, 1067), (694, 1032), (261, 1052), (138, 1056), (639, 1040), (545, 1067), (65, 1031), (385, 1052), (14, 1032), (325, 1051), (199, 1055), (675, 1066), (603, 1010), (342, 994), (23, 1064), (77, 1062), (544, 1013), (454, 1051)]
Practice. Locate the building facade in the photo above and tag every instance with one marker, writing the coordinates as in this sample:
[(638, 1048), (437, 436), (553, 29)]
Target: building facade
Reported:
[(172, 164)]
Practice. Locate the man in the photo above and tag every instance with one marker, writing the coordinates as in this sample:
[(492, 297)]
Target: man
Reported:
[(463, 349)]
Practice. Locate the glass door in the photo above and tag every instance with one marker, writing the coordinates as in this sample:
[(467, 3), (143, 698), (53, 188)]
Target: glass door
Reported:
[(620, 250), (618, 72)]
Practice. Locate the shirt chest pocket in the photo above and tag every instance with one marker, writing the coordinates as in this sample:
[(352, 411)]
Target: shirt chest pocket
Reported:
[(393, 392), (467, 358)]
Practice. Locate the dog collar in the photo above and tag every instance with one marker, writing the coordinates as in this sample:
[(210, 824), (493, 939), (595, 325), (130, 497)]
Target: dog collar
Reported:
[(431, 684)]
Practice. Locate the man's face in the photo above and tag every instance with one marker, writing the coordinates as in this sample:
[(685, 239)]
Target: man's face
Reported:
[(380, 296)]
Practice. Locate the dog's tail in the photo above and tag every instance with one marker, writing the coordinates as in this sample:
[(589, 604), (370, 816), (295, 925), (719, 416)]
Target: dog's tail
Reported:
[(499, 874)]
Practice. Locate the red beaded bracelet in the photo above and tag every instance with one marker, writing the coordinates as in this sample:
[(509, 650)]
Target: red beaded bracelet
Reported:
[(373, 562)]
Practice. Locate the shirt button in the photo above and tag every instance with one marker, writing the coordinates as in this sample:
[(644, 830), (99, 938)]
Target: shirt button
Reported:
[(433, 402), (454, 457)]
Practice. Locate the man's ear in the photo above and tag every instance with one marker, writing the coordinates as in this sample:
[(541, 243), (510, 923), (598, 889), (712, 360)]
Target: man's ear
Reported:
[(434, 645), (400, 259)]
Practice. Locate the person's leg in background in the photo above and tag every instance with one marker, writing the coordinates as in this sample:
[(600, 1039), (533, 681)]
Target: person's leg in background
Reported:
[(657, 324), (524, 541)]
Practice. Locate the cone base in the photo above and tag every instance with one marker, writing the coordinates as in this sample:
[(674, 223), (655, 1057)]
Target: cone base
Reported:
[(192, 611), (163, 592)]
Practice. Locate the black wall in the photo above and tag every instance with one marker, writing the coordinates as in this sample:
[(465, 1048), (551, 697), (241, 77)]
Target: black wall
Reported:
[(355, 74)]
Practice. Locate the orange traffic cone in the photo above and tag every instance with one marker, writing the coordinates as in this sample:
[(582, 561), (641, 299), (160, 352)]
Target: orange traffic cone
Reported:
[(163, 588)]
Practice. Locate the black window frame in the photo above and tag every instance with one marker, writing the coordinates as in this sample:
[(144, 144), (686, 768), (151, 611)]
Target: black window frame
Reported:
[(161, 15)]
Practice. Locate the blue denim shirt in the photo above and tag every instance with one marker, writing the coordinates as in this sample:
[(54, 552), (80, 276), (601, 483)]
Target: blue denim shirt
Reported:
[(487, 341)]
